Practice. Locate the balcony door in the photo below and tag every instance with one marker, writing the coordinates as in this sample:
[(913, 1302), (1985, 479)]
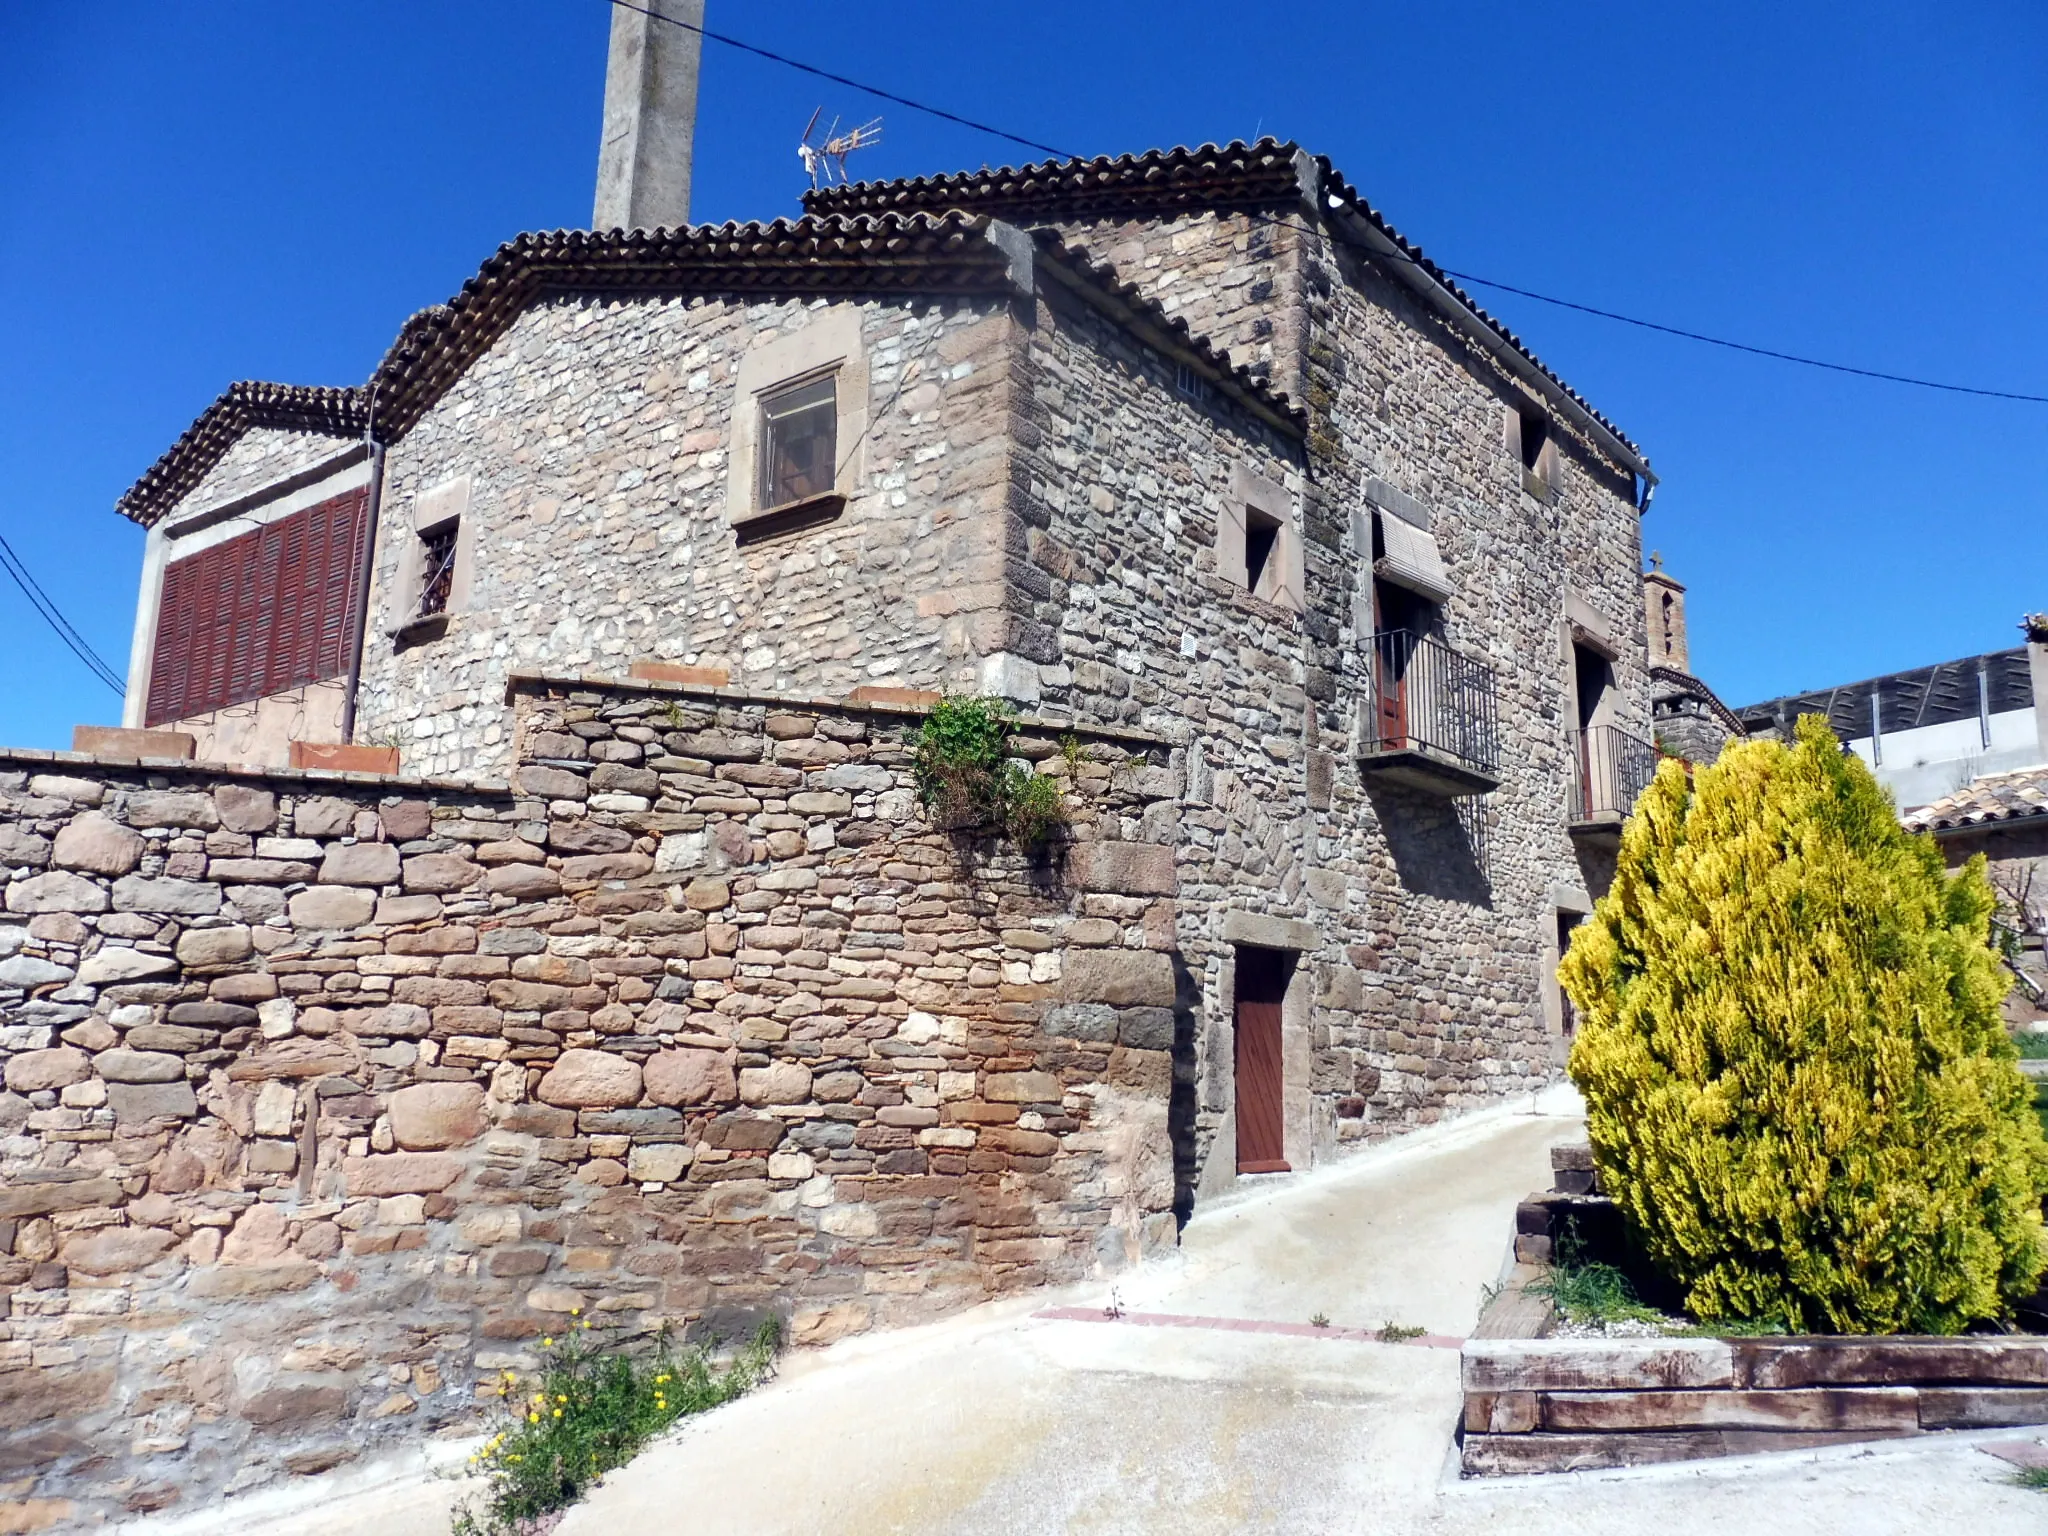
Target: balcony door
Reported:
[(1593, 689), (1398, 616)]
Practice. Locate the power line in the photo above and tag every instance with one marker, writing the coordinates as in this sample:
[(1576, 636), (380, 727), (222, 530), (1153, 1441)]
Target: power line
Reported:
[(100, 663), (53, 616), (1463, 277), (1743, 346)]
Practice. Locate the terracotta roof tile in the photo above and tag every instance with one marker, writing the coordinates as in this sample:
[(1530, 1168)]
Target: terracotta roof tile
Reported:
[(293, 407), (1162, 182), (2021, 795), (946, 253)]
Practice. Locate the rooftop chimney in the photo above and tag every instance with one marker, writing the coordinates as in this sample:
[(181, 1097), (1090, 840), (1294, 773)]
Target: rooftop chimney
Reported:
[(650, 117), (1664, 613)]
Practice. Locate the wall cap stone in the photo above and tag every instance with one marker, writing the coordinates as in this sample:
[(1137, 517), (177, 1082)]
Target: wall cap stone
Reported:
[(253, 773), (517, 683)]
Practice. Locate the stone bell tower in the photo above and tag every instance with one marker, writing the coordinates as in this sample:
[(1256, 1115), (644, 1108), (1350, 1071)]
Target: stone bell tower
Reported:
[(1664, 615), (650, 116)]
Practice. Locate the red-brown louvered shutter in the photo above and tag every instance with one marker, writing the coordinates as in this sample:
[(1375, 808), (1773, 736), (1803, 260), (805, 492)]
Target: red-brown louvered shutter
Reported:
[(170, 669), (258, 614)]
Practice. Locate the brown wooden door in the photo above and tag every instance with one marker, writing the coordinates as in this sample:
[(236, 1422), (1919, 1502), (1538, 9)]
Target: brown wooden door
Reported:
[(1391, 689), (1396, 619), (1261, 1128)]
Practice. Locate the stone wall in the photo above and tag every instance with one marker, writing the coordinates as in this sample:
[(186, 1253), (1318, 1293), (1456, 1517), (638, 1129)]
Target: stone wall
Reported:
[(596, 434), (327, 1093), (1424, 927)]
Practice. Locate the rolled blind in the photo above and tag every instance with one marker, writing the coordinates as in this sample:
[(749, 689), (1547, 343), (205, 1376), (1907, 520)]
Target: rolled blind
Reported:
[(263, 612), (1411, 558)]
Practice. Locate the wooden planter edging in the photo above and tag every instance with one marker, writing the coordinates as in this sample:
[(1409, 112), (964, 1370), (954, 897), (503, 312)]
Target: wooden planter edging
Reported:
[(1561, 1405)]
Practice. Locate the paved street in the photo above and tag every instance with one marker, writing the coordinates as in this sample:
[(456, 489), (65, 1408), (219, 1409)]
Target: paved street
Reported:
[(1002, 1421)]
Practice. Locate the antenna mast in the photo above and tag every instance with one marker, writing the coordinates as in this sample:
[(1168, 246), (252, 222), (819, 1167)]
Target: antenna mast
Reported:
[(824, 156)]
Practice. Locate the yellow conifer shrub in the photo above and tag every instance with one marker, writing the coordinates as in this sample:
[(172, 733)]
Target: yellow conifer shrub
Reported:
[(1798, 1086)]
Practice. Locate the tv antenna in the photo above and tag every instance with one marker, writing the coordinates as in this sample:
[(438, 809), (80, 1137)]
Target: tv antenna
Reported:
[(824, 155)]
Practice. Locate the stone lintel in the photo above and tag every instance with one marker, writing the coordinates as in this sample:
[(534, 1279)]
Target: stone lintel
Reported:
[(1271, 932)]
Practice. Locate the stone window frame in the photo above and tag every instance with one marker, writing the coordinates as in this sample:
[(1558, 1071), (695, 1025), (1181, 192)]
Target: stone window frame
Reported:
[(829, 344), (434, 511), (1586, 629), (1539, 467), (1252, 495)]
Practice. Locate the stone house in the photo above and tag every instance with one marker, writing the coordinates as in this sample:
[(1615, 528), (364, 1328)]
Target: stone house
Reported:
[(1192, 442), (637, 975)]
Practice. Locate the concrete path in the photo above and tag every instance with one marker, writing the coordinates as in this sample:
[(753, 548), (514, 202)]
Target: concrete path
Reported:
[(1005, 1421)]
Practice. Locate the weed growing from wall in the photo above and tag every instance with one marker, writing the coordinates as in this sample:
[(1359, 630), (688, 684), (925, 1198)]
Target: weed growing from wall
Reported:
[(967, 779)]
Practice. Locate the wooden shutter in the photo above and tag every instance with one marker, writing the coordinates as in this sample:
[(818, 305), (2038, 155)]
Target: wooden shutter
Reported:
[(264, 612)]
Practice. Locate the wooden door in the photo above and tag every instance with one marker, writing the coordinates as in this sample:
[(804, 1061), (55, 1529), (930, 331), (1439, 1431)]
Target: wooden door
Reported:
[(1261, 1125), (1395, 621)]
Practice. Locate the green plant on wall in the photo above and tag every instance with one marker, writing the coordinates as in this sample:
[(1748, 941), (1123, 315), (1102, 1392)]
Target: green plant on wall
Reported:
[(966, 776), (1798, 1085)]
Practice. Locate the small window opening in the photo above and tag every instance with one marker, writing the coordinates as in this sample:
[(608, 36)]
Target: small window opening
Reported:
[(1261, 536), (1535, 433), (437, 562), (799, 428)]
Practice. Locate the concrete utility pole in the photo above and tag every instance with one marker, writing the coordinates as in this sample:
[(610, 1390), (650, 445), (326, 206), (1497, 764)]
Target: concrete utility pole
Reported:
[(650, 117)]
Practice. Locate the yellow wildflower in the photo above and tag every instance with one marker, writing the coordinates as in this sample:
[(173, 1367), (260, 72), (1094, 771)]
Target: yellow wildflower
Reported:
[(533, 1418), (547, 1343)]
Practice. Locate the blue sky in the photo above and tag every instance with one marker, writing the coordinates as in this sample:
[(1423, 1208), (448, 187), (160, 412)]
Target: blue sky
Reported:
[(197, 193)]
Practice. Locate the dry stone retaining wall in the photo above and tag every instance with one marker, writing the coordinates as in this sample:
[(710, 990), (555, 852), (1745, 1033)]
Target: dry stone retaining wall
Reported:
[(326, 1093)]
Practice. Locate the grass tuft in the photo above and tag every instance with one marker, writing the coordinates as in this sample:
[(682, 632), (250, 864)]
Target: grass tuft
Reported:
[(592, 1408), (1587, 1291), (2033, 1477)]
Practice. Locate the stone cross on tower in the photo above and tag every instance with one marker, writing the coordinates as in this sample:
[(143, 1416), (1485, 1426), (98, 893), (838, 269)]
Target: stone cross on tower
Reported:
[(650, 116)]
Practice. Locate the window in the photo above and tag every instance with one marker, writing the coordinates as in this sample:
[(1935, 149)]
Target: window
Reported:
[(1529, 430), (799, 430), (799, 423), (437, 564), (1258, 550), (1535, 433), (1261, 534), (262, 613), (1568, 1016)]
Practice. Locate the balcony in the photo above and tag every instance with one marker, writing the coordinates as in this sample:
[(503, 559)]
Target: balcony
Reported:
[(1432, 717), (1609, 769)]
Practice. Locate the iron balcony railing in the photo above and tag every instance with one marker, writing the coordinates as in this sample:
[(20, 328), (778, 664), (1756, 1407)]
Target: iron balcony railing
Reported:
[(1425, 697), (1609, 769)]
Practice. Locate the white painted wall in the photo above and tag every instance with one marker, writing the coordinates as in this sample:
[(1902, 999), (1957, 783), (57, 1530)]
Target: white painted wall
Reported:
[(1929, 761)]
